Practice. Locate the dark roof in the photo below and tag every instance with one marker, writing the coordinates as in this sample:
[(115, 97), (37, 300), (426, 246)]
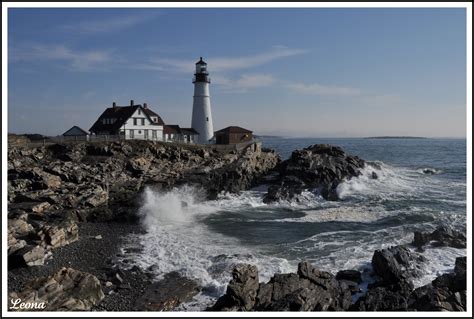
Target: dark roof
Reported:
[(175, 129), (233, 129), (189, 131), (150, 113), (201, 62), (121, 114), (77, 128), (172, 129)]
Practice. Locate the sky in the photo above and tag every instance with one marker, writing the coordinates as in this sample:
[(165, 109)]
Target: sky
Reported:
[(309, 72)]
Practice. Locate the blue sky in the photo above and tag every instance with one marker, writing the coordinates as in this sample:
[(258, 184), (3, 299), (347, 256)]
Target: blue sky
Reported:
[(293, 72)]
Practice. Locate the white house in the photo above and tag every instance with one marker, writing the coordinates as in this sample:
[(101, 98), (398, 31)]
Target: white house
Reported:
[(131, 122)]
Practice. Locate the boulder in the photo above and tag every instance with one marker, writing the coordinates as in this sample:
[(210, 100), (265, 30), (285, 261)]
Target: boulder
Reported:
[(96, 197), (138, 165), (385, 298), (166, 294), (441, 236), (319, 166), (242, 290), (397, 264), (66, 290), (19, 226), (308, 290), (432, 298), (281, 193), (28, 255), (60, 235), (14, 244), (40, 208), (350, 275), (445, 293)]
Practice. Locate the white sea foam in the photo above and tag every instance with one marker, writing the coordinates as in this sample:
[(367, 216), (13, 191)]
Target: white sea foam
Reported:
[(365, 214), (177, 241), (390, 182), (178, 238)]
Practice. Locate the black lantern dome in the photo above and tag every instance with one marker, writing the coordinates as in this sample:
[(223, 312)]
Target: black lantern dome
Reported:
[(201, 74)]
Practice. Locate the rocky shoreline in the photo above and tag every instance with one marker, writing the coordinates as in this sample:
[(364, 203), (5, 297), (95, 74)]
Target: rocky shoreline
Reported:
[(310, 289), (72, 206)]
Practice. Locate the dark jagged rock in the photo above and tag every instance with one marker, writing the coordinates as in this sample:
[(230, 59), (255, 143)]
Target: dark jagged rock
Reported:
[(66, 290), (166, 294), (308, 290), (102, 182), (241, 292), (392, 297), (351, 275), (319, 166), (445, 293), (27, 256), (397, 264), (281, 193), (431, 298), (441, 236)]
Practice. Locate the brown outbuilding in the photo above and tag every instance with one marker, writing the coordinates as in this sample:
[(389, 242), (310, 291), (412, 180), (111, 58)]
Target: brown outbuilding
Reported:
[(233, 135)]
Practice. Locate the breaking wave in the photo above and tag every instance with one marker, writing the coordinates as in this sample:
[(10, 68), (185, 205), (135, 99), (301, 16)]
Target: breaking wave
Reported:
[(204, 239)]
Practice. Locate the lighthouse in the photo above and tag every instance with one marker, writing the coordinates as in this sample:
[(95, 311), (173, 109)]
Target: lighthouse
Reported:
[(202, 117)]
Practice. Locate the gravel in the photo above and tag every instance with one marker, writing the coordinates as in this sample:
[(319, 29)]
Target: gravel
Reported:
[(95, 256)]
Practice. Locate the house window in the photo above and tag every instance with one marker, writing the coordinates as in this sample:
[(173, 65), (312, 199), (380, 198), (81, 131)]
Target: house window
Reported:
[(134, 121), (153, 134), (132, 134), (143, 121), (139, 132), (154, 119), (139, 112)]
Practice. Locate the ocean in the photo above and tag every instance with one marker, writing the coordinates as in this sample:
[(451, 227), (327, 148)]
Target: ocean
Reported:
[(421, 184)]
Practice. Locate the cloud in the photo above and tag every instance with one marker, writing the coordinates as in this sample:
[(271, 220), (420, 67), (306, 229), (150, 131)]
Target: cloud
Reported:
[(243, 83), (109, 24), (223, 64), (75, 60), (318, 89)]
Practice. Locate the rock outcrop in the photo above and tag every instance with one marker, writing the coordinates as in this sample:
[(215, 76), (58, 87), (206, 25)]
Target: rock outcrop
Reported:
[(319, 166), (52, 187), (308, 290), (66, 290), (311, 289), (446, 293), (441, 236), (397, 264), (166, 294)]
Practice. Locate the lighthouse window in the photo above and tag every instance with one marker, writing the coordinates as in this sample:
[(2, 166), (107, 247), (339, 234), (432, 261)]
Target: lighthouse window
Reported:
[(207, 119)]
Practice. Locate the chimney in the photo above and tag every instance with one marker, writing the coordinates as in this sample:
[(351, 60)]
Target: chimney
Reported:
[(145, 106), (131, 103), (114, 104)]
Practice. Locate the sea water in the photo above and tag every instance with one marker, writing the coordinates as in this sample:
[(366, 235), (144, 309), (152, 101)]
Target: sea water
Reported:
[(421, 184)]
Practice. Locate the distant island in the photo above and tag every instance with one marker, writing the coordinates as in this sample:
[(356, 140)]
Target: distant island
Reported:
[(268, 136), (395, 137)]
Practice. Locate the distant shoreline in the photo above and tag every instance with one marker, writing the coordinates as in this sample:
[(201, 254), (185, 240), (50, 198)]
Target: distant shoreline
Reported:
[(395, 137)]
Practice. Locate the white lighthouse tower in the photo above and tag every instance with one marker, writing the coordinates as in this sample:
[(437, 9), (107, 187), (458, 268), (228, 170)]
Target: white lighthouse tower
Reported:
[(202, 117)]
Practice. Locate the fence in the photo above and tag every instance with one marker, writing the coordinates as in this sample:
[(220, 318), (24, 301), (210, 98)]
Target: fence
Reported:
[(256, 143)]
